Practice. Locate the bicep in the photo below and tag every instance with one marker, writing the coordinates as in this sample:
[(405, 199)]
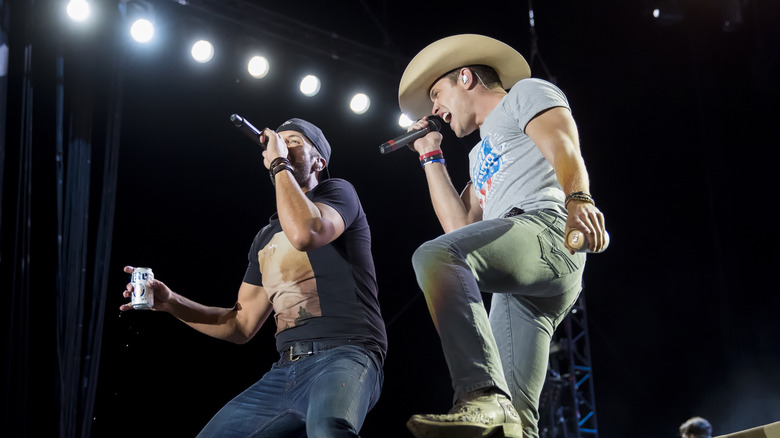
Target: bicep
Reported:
[(330, 214), (319, 230), (252, 308), (553, 131)]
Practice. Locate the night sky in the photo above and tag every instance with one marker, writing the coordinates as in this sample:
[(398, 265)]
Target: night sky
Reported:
[(676, 123)]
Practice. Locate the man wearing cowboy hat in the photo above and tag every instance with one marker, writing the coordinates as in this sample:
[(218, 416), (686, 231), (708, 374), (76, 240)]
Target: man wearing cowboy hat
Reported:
[(504, 232), (312, 267)]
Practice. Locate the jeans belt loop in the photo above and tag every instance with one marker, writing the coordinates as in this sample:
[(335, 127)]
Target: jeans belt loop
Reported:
[(514, 211)]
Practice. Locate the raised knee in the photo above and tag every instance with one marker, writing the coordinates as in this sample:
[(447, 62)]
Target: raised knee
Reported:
[(430, 255)]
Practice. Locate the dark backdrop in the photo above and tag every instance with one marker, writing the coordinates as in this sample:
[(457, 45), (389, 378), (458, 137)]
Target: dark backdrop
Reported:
[(676, 122)]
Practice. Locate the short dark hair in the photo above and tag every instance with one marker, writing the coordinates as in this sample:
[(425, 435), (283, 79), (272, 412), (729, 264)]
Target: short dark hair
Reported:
[(487, 76), (696, 426)]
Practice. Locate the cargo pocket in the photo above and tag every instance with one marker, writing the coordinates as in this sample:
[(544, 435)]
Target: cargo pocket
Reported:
[(555, 253)]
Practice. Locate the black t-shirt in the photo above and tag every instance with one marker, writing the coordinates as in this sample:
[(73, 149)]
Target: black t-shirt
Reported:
[(327, 293)]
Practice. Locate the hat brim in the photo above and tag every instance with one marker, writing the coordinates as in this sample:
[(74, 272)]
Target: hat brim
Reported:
[(452, 52)]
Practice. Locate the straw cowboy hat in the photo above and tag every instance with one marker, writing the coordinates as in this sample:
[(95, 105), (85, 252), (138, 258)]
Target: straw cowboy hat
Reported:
[(447, 54)]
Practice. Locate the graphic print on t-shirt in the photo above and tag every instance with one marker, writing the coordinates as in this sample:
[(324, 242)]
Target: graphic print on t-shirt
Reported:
[(488, 163), (288, 278)]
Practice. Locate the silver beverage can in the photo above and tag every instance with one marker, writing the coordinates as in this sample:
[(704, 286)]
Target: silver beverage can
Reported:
[(579, 242), (143, 297)]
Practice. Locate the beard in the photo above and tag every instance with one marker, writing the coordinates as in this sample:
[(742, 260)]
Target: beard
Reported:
[(299, 173)]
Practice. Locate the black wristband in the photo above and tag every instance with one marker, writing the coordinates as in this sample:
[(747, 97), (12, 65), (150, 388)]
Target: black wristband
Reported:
[(279, 168), (278, 161)]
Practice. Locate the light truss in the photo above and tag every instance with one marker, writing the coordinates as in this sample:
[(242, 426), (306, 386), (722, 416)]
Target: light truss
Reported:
[(567, 404), (261, 21)]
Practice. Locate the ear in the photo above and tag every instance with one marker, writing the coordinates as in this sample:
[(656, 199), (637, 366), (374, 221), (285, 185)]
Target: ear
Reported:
[(466, 77), (319, 164)]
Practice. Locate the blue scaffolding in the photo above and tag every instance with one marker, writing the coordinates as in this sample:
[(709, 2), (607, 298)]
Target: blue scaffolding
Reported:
[(567, 403)]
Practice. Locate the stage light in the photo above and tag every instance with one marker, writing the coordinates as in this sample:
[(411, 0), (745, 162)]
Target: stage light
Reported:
[(78, 10), (668, 12), (258, 66), (142, 30), (404, 121), (359, 103), (202, 51), (310, 85)]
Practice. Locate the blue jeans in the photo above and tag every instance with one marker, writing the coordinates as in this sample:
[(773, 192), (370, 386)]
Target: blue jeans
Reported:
[(534, 282), (327, 394)]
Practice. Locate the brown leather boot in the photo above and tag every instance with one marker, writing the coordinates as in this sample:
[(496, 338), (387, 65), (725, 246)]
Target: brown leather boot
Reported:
[(473, 416)]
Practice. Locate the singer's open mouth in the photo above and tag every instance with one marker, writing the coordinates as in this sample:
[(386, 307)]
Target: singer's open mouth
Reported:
[(446, 117)]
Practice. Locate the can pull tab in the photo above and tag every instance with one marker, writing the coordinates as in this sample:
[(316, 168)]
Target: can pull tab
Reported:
[(579, 241)]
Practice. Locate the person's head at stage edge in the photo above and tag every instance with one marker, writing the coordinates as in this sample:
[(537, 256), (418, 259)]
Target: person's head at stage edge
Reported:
[(460, 79), (308, 151), (696, 427)]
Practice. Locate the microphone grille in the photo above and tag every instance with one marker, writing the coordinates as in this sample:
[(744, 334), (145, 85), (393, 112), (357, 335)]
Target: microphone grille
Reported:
[(435, 122)]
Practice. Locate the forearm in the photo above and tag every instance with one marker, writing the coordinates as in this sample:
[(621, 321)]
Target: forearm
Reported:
[(217, 322), (447, 204), (555, 133), (571, 172)]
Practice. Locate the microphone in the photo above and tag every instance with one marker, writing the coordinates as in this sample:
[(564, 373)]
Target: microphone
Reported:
[(434, 124), (247, 128)]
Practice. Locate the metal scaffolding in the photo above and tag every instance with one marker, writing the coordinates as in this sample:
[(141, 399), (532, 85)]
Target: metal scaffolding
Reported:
[(258, 21), (567, 407)]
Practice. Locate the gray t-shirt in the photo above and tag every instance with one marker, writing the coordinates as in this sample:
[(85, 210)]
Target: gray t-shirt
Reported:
[(507, 169)]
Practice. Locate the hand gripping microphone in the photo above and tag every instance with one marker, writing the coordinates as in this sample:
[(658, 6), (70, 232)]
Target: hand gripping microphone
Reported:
[(434, 124), (247, 128)]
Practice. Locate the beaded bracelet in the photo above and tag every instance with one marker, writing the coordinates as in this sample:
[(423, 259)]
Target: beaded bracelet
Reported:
[(580, 197)]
